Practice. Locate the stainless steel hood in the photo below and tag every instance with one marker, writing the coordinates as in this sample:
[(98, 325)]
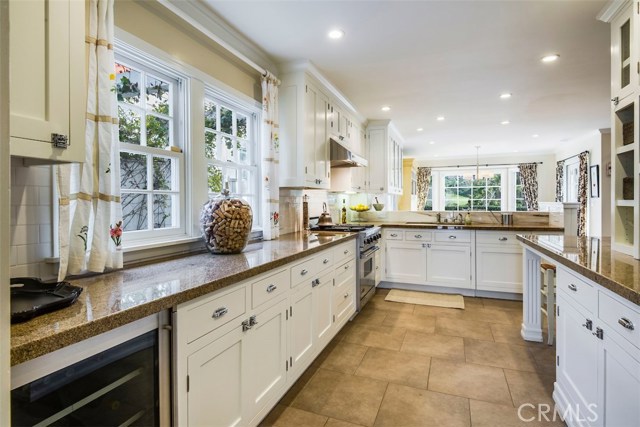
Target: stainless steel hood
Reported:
[(342, 157)]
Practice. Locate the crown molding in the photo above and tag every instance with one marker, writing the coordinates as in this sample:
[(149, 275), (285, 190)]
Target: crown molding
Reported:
[(611, 9)]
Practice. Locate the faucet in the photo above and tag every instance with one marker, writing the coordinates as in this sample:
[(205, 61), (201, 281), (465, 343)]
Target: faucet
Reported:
[(438, 218)]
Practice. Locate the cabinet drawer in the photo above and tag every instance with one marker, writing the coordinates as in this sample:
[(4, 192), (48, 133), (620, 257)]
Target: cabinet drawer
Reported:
[(496, 238), (577, 289), (344, 251), (393, 234), (417, 236), (306, 270), (268, 288), (620, 318), (453, 236), (209, 315), (348, 269), (324, 260)]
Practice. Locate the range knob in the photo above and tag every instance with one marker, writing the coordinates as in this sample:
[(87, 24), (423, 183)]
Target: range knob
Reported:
[(368, 240), (378, 236)]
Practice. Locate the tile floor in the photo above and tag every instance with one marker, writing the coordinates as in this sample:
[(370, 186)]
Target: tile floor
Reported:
[(402, 365)]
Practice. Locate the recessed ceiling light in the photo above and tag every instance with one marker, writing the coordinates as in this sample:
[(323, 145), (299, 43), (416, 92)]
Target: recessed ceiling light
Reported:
[(336, 34), (419, 129), (505, 122), (386, 108), (505, 95), (515, 151), (432, 142), (535, 135), (550, 58), (435, 155), (440, 118)]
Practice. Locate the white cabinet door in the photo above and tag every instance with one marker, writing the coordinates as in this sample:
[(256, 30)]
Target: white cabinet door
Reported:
[(316, 147), (577, 351), (623, 53), (266, 351), (619, 378), (323, 309), (215, 378), (321, 144), (499, 268), (449, 265), (47, 78), (406, 262), (377, 168), (301, 327)]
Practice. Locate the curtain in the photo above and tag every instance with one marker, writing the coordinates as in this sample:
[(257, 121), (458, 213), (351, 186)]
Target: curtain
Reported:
[(559, 180), (529, 178), (583, 183), (90, 213), (422, 183), (270, 157)]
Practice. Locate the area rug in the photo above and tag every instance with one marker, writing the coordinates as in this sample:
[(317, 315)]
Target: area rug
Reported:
[(425, 298)]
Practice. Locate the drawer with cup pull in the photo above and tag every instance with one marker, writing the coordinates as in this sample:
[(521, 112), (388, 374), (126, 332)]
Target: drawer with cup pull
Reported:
[(620, 318), (346, 270), (306, 270), (201, 317), (496, 238), (344, 251), (269, 287), (453, 236), (393, 234), (577, 289), (417, 235)]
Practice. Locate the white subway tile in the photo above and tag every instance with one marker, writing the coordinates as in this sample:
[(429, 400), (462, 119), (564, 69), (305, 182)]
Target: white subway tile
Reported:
[(45, 197), (42, 251), (25, 234), (26, 270), (34, 175), (45, 233), (24, 195), (13, 256)]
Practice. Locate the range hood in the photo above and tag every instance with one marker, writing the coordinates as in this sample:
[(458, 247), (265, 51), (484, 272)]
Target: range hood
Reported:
[(342, 157)]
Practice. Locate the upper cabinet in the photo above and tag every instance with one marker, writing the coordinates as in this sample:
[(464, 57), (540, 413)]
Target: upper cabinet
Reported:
[(304, 126), (624, 55), (385, 158), (47, 85)]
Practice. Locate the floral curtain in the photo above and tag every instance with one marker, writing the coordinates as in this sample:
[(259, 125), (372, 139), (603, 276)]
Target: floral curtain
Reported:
[(559, 180), (90, 224), (529, 178), (422, 183), (270, 156), (583, 184)]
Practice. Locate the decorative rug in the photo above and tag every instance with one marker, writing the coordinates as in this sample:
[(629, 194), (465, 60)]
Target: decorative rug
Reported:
[(426, 298)]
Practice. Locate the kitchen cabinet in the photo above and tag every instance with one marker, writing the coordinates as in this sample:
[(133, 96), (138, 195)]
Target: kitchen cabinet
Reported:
[(624, 55), (238, 350), (449, 265), (304, 138), (406, 262), (47, 66), (385, 154), (598, 358), (498, 262)]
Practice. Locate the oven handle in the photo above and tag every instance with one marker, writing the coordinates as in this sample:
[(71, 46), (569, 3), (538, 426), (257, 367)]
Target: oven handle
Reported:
[(368, 252)]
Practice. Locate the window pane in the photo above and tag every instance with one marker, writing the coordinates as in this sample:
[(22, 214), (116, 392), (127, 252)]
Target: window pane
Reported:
[(162, 210), (494, 192), (210, 115), (464, 182), (214, 179), (494, 180), (162, 173), (210, 145), (244, 185), (493, 205), (241, 126), (127, 85), (158, 95), (226, 121), (128, 126), (134, 211), (157, 132), (519, 194), (479, 205), (450, 181), (231, 176), (227, 143), (133, 171), (479, 193), (450, 193), (479, 182), (243, 153), (450, 206)]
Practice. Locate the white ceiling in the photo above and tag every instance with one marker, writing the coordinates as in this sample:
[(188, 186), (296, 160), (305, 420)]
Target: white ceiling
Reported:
[(451, 58)]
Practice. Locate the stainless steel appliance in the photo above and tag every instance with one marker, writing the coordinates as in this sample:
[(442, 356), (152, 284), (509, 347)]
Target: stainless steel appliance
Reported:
[(368, 236)]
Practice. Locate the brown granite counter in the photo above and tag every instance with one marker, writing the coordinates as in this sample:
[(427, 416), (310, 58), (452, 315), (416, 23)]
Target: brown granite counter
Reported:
[(594, 259), (497, 227), (114, 299)]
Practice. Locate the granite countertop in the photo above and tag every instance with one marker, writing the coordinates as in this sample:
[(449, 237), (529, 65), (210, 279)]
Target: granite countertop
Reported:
[(113, 299), (594, 259), (446, 226)]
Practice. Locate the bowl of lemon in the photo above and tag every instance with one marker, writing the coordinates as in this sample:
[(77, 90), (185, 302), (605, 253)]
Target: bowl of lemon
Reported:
[(359, 208)]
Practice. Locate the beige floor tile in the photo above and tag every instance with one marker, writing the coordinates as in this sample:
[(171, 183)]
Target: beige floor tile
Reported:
[(371, 316), (429, 310), (492, 315), (345, 357), (545, 357), (379, 336), (381, 291), (499, 355), (502, 304), (434, 345), (529, 387), (485, 414), (469, 380), (332, 422), (345, 397), (464, 328), (421, 323), (407, 407), (396, 367), (509, 334), (473, 301), (379, 303), (286, 416)]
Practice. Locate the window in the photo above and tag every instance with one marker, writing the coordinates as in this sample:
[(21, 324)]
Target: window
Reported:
[(231, 150), (520, 204), (463, 192), (428, 204), (149, 111)]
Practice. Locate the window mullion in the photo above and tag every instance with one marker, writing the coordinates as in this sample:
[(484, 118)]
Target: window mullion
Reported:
[(150, 178)]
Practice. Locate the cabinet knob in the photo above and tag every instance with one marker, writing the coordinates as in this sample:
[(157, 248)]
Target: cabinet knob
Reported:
[(346, 266), (626, 323), (220, 312), (303, 272), (246, 326), (325, 261), (393, 235), (418, 236), (452, 237), (503, 239), (253, 321), (346, 295), (599, 333), (588, 324), (615, 100), (315, 283), (573, 287), (346, 251), (271, 288)]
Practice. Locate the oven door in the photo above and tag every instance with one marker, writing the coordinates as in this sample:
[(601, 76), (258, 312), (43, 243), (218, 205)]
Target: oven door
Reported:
[(367, 276)]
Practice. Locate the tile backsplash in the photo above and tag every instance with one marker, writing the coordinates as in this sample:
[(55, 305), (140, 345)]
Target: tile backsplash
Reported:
[(31, 220)]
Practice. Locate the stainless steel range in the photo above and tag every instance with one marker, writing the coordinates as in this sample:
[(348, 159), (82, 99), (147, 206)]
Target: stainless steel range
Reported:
[(368, 236)]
